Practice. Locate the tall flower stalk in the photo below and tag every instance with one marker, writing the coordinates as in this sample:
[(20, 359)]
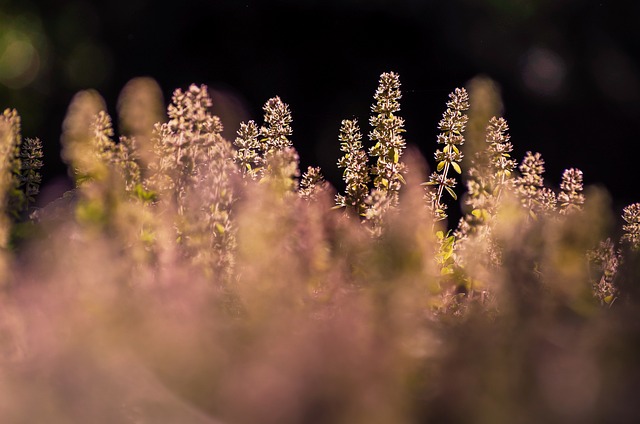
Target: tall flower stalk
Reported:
[(279, 156), (387, 137), (452, 126), (356, 169), (490, 173), (248, 153), (31, 162), (535, 197), (501, 164)]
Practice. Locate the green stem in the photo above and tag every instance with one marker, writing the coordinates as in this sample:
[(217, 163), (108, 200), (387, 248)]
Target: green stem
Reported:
[(445, 171)]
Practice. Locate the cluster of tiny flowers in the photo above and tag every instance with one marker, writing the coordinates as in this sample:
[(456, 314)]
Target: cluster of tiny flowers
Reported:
[(311, 182), (499, 149), (127, 162), (11, 139), (489, 176), (631, 215), (31, 162), (491, 171), (278, 119), (194, 166), (181, 144), (102, 131), (216, 198), (378, 205), (530, 185), (356, 169), (607, 258), (547, 200), (108, 153), (279, 157), (188, 111), (437, 208), (20, 162), (479, 198), (387, 137), (452, 126), (11, 126), (478, 190), (248, 150), (282, 168), (531, 170), (570, 196)]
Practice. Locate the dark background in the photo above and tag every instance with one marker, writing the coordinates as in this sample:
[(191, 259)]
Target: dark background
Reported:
[(569, 70)]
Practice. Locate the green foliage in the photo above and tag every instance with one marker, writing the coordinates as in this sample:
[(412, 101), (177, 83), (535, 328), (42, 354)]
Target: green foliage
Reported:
[(198, 280)]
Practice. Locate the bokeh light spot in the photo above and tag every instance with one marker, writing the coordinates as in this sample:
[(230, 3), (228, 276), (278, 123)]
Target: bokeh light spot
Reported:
[(19, 60), (543, 71)]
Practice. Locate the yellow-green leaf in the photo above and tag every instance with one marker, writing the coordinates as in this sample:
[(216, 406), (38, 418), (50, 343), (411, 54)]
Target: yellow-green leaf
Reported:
[(446, 271), (452, 193), (456, 167)]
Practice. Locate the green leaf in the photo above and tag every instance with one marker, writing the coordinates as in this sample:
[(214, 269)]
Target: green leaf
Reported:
[(441, 166), (452, 193), (456, 167), (147, 236), (144, 195), (396, 156), (91, 212), (446, 271), (446, 255), (449, 242)]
